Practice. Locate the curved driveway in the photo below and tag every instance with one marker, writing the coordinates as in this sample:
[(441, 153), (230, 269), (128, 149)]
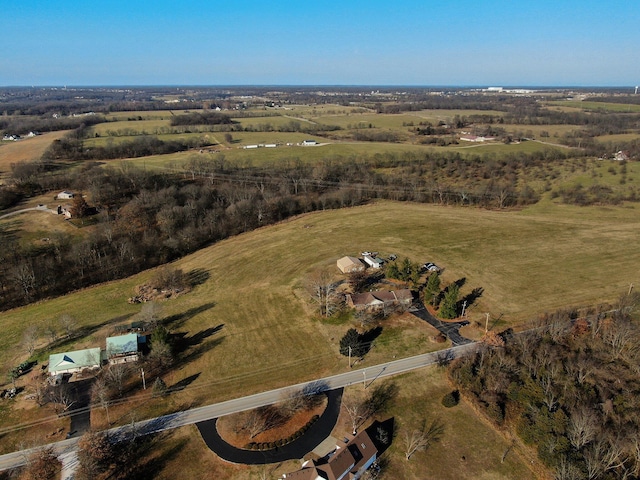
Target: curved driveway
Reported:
[(320, 430)]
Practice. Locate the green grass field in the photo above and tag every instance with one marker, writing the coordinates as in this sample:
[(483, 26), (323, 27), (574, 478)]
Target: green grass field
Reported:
[(598, 106)]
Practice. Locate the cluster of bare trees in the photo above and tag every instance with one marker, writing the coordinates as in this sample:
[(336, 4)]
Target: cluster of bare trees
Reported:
[(569, 387), (261, 419)]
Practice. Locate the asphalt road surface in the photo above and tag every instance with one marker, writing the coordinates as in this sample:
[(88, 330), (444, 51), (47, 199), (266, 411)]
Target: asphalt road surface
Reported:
[(366, 376)]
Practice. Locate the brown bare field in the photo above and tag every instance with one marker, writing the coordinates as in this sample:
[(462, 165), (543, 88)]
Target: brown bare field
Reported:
[(26, 149)]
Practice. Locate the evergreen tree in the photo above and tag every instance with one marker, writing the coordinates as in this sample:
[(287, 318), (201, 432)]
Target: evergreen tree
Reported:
[(352, 339), (432, 289), (449, 307)]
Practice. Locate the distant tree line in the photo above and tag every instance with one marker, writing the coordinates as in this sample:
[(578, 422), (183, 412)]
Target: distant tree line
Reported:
[(201, 118), (145, 145)]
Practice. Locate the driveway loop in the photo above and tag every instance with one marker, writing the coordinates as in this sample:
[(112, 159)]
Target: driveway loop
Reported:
[(297, 449)]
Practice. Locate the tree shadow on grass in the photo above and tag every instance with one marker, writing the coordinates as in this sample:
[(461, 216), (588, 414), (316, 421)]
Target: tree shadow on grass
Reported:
[(151, 466), (470, 298), (177, 320), (381, 434), (200, 350), (197, 276), (368, 337), (184, 383), (181, 342)]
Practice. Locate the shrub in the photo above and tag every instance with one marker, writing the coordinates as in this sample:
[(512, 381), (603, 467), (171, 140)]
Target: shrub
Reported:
[(451, 399)]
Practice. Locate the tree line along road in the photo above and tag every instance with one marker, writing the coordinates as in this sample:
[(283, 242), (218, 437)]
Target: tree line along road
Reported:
[(367, 376)]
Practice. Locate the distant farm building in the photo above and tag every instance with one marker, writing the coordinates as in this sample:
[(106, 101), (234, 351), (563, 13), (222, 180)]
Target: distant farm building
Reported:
[(350, 264), (123, 348), (621, 156), (348, 462), (380, 299), (307, 143), (74, 362), (476, 138)]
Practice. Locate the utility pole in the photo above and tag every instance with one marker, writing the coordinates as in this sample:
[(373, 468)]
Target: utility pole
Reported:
[(144, 383), (631, 284), (349, 356), (364, 382), (486, 324), (464, 307)]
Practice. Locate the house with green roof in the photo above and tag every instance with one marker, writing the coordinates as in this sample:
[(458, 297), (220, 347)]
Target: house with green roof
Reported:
[(123, 348), (74, 362)]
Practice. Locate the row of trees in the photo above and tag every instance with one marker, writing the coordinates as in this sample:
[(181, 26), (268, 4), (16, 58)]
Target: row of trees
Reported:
[(568, 387)]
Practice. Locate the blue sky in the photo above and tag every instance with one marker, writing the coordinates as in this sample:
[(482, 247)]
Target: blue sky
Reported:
[(243, 42)]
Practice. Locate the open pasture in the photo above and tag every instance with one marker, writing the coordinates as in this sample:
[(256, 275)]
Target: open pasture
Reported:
[(26, 149), (598, 106), (620, 137), (539, 259)]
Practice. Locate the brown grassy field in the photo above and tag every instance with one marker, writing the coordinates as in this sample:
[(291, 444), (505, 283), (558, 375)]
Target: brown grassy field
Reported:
[(542, 258), (25, 150)]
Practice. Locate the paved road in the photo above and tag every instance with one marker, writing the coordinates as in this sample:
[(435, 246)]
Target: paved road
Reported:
[(367, 376)]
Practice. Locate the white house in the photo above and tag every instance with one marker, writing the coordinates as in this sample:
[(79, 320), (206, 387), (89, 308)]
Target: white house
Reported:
[(74, 362), (306, 143), (66, 195)]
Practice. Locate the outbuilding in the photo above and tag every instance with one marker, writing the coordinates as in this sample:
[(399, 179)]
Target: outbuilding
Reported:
[(350, 264), (373, 262)]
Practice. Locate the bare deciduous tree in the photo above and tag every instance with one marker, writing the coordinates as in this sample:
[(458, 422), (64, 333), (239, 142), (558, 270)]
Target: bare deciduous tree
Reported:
[(420, 439), (30, 339), (63, 395), (116, 376), (583, 427), (67, 323), (101, 395), (323, 291)]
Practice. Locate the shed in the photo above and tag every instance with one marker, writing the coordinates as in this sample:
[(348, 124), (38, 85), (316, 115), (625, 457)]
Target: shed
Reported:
[(373, 262), (74, 362), (122, 348), (350, 264)]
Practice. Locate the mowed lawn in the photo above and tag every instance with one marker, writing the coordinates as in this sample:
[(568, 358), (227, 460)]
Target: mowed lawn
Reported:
[(542, 258)]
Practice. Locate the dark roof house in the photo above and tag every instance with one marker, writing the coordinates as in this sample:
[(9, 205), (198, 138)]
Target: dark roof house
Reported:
[(348, 462)]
